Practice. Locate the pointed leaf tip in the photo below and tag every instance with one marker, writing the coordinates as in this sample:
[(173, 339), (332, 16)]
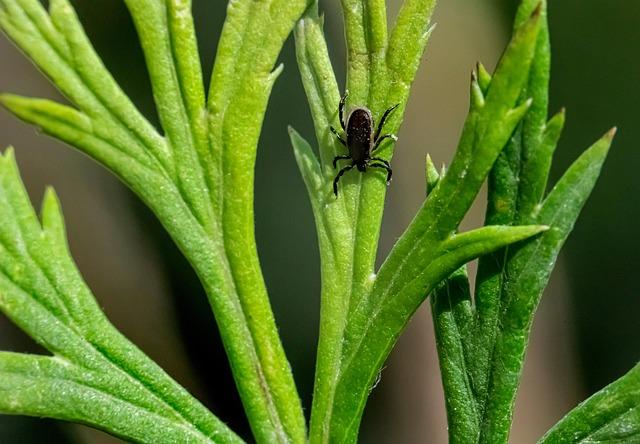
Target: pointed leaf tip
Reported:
[(536, 12), (611, 133), (432, 174), (484, 78), (50, 197), (558, 118), (9, 154)]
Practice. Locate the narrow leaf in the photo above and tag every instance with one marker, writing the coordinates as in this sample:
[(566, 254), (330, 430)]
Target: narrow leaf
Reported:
[(528, 271), (167, 36), (319, 82), (59, 47), (77, 129), (536, 167), (453, 319), (365, 25), (374, 329), (407, 44), (44, 294), (517, 183), (420, 260), (308, 165), (610, 416), (53, 388)]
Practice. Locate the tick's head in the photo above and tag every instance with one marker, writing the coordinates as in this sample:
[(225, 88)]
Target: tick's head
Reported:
[(359, 128)]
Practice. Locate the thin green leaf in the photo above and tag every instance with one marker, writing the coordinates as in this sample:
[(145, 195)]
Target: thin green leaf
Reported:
[(336, 262), (308, 164), (610, 416), (345, 272), (501, 209), (528, 269), (407, 43), (515, 186), (319, 83), (373, 329), (204, 166), (59, 47), (241, 82), (477, 152), (366, 33), (344, 377), (536, 166), (54, 388), (453, 320), (77, 129), (44, 294), (167, 36)]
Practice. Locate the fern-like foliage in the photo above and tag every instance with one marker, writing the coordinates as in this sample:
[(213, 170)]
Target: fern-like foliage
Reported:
[(95, 375), (364, 310), (482, 340), (196, 174)]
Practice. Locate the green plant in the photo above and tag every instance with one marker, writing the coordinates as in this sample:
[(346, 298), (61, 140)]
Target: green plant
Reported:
[(197, 177)]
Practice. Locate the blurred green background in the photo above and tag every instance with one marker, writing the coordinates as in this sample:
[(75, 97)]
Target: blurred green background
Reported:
[(587, 332)]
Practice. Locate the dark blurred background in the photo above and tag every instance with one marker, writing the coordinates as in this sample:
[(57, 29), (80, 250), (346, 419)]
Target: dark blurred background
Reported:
[(588, 327)]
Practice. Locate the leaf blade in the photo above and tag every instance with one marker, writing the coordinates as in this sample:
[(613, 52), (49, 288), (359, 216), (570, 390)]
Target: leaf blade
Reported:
[(40, 386), (611, 415), (529, 269), (44, 294)]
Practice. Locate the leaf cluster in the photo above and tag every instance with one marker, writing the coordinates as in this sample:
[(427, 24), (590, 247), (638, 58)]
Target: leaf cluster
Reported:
[(196, 174)]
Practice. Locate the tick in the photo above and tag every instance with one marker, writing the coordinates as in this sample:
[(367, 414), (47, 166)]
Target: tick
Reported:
[(361, 141)]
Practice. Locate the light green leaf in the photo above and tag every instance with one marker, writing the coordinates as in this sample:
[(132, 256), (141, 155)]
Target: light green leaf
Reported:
[(407, 43), (373, 329), (167, 36), (319, 83), (357, 304), (199, 179), (96, 376), (349, 227), (78, 130), (58, 45)]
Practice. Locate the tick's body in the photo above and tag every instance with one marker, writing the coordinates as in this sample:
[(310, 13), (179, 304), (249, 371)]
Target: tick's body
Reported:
[(361, 141), (359, 138)]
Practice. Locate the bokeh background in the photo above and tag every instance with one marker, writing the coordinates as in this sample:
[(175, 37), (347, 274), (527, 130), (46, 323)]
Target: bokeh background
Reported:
[(587, 332)]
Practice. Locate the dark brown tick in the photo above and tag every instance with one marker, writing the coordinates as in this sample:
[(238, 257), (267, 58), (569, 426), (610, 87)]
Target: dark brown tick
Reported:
[(361, 140)]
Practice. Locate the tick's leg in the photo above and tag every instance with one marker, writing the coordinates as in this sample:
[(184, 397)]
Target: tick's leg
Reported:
[(343, 100), (384, 119), (381, 160), (334, 131), (340, 174), (381, 139), (379, 165), (335, 160)]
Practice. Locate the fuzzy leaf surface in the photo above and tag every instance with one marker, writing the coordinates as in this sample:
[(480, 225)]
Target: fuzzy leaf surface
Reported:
[(610, 416), (364, 313), (197, 175), (95, 376)]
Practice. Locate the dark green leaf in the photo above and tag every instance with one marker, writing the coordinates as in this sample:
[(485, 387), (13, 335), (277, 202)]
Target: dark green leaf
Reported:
[(527, 272)]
